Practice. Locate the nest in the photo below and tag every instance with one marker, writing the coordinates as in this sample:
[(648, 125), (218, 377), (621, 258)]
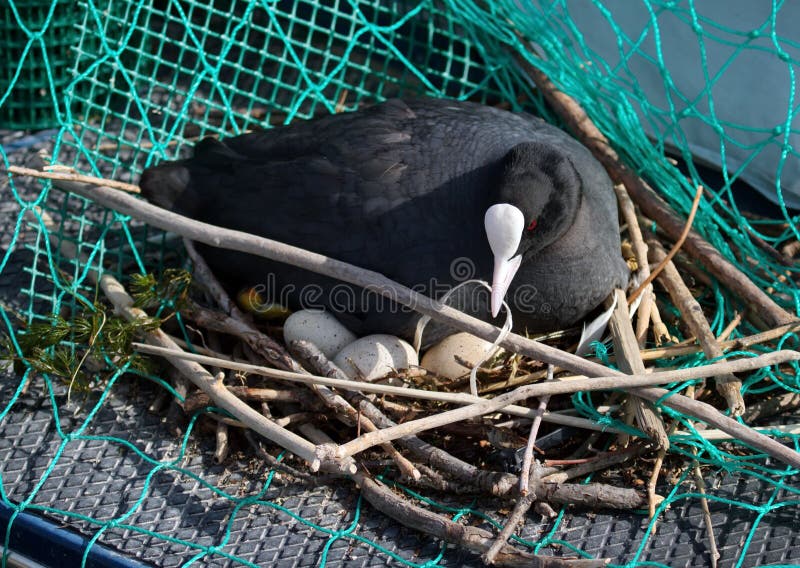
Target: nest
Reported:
[(520, 440)]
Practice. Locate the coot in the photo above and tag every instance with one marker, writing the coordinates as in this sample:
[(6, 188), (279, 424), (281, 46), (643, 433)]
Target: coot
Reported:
[(428, 192)]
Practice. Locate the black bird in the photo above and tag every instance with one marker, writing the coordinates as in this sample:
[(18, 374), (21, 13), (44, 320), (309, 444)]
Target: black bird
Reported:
[(427, 192)]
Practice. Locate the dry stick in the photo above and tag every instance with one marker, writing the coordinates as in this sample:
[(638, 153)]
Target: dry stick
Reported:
[(778, 404), (495, 483), (557, 386), (592, 495), (200, 400), (375, 282), (728, 385), (657, 465), (458, 398), (701, 486), (273, 463), (601, 462), (735, 344), (626, 349), (65, 176), (204, 275), (259, 246), (267, 348), (674, 250), (124, 306), (525, 474), (652, 205), (787, 430), (520, 509), (683, 404), (640, 250), (732, 325), (661, 333), (474, 539)]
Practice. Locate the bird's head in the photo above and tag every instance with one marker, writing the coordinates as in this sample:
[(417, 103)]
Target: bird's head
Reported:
[(537, 201)]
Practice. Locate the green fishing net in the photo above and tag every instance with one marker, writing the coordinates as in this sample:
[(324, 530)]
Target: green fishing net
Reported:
[(689, 93)]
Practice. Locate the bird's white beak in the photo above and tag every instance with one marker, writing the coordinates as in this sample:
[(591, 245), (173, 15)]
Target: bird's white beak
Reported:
[(504, 225)]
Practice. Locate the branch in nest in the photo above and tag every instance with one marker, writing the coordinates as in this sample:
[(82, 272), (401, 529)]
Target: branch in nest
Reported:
[(728, 385), (493, 482), (626, 348), (472, 538), (683, 404), (235, 240), (73, 176), (199, 400), (270, 350)]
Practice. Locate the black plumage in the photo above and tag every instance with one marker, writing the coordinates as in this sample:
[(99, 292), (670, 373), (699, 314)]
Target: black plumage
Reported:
[(402, 188)]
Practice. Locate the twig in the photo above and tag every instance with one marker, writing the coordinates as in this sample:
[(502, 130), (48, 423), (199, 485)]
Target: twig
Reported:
[(777, 404), (494, 483), (520, 509), (628, 211), (626, 348), (713, 435), (124, 306), (266, 347), (687, 406), (598, 463), (673, 251), (474, 539), (661, 333), (358, 386), (557, 386), (592, 495), (525, 474), (728, 385), (204, 275), (343, 406), (652, 204), (373, 281), (272, 462), (235, 240), (200, 399), (66, 176), (713, 551), (736, 344), (652, 482), (726, 333)]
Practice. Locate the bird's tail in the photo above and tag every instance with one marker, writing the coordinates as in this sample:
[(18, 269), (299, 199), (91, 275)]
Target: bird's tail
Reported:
[(162, 185)]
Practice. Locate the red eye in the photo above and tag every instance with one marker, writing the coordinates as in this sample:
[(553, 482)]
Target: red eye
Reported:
[(532, 226)]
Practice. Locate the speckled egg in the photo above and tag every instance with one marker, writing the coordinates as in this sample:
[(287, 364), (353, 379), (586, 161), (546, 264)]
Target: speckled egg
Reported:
[(441, 358), (320, 328), (374, 356)]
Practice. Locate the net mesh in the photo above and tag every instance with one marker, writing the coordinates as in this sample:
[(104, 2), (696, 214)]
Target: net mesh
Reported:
[(144, 80)]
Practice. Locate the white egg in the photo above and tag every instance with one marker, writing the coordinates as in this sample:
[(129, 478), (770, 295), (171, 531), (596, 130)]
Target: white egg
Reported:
[(441, 358), (374, 356), (320, 328)]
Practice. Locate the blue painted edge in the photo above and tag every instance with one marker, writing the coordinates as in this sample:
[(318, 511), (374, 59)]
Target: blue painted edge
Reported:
[(51, 545)]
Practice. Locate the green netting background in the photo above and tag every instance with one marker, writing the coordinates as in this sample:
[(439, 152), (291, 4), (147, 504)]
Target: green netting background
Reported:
[(140, 80)]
